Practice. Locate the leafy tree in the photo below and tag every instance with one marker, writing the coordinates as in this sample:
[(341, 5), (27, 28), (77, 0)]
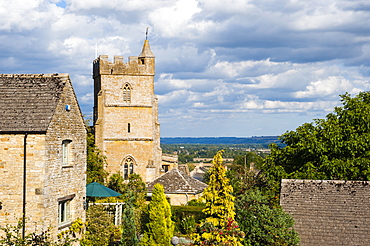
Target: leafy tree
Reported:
[(138, 188), (263, 223), (248, 159), (117, 183), (219, 227), (95, 160), (100, 229), (160, 227), (333, 148)]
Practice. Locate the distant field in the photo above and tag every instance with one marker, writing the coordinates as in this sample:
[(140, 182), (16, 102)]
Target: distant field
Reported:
[(263, 140)]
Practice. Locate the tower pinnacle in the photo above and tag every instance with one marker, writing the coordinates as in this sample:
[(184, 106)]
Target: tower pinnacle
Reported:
[(146, 52)]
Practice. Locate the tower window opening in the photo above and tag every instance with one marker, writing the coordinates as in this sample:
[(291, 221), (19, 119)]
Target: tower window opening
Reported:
[(127, 93), (142, 61), (128, 127), (128, 167)]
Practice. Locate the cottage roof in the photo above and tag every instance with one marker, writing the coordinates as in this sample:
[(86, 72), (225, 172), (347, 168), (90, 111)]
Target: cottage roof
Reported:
[(28, 101), (177, 182), (328, 212)]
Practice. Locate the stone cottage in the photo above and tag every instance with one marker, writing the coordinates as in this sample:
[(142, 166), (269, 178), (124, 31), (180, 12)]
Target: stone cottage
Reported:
[(42, 152), (328, 212), (179, 187)]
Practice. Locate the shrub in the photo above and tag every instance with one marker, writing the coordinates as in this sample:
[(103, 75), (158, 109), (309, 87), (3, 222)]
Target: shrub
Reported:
[(100, 229)]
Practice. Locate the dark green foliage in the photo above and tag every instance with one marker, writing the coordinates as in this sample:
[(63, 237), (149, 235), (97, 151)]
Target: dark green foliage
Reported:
[(250, 158), (138, 188), (181, 216), (262, 223), (187, 225), (116, 183), (95, 161), (100, 229), (129, 231), (333, 148)]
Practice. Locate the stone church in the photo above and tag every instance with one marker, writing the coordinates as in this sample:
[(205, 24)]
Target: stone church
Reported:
[(126, 116)]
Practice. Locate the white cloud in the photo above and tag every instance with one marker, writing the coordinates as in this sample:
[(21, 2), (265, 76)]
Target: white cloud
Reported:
[(325, 87), (24, 15), (175, 20), (255, 62)]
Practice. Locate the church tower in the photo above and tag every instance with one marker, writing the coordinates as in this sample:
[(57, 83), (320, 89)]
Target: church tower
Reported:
[(126, 114)]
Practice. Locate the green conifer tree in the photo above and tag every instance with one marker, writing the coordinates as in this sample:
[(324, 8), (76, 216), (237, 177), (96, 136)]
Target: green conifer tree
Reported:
[(129, 231), (219, 228), (160, 227)]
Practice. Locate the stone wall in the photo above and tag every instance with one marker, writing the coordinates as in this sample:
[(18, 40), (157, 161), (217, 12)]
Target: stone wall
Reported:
[(47, 179), (328, 212), (66, 180)]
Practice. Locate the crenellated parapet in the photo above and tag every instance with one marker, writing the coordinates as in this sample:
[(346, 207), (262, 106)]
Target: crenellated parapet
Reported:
[(135, 66)]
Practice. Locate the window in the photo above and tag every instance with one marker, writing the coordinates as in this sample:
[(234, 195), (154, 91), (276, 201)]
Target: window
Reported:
[(128, 167), (128, 127), (127, 93), (64, 211), (66, 145), (165, 168)]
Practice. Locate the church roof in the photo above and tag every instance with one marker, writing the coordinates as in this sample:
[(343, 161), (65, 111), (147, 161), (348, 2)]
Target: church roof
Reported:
[(28, 101), (177, 182)]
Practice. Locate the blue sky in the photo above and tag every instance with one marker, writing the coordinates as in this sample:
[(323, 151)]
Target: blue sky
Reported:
[(223, 68)]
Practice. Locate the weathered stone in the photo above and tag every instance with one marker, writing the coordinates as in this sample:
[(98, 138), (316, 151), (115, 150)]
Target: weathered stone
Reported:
[(39, 110), (126, 114), (328, 212)]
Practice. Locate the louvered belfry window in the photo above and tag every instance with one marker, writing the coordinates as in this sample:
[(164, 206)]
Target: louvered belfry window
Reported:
[(127, 93)]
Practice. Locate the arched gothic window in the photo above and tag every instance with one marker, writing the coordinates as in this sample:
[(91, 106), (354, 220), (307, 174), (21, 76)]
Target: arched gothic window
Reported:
[(126, 93), (128, 167)]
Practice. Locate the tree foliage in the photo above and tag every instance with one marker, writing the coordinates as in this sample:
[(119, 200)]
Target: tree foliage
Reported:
[(95, 161), (219, 227), (12, 235), (100, 229), (129, 228), (263, 223), (337, 147), (160, 227)]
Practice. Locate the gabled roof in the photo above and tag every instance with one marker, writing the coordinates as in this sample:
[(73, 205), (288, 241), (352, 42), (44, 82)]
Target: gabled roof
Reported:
[(328, 212), (28, 101), (177, 182)]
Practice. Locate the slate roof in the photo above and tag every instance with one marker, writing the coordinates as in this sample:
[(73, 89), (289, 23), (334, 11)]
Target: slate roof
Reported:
[(177, 182), (328, 212), (28, 101)]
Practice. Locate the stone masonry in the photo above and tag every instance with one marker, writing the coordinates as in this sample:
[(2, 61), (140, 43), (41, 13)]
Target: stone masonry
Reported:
[(328, 212), (41, 110), (126, 114)]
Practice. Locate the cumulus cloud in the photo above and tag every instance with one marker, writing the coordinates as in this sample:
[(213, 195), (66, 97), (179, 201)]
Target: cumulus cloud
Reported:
[(240, 67)]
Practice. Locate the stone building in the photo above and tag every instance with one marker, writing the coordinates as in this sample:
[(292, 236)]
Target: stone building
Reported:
[(328, 212), (179, 187), (126, 115), (42, 152)]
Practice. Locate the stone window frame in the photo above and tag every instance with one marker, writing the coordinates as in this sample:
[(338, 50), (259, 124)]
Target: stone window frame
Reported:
[(126, 92), (64, 211), (66, 153), (128, 165)]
